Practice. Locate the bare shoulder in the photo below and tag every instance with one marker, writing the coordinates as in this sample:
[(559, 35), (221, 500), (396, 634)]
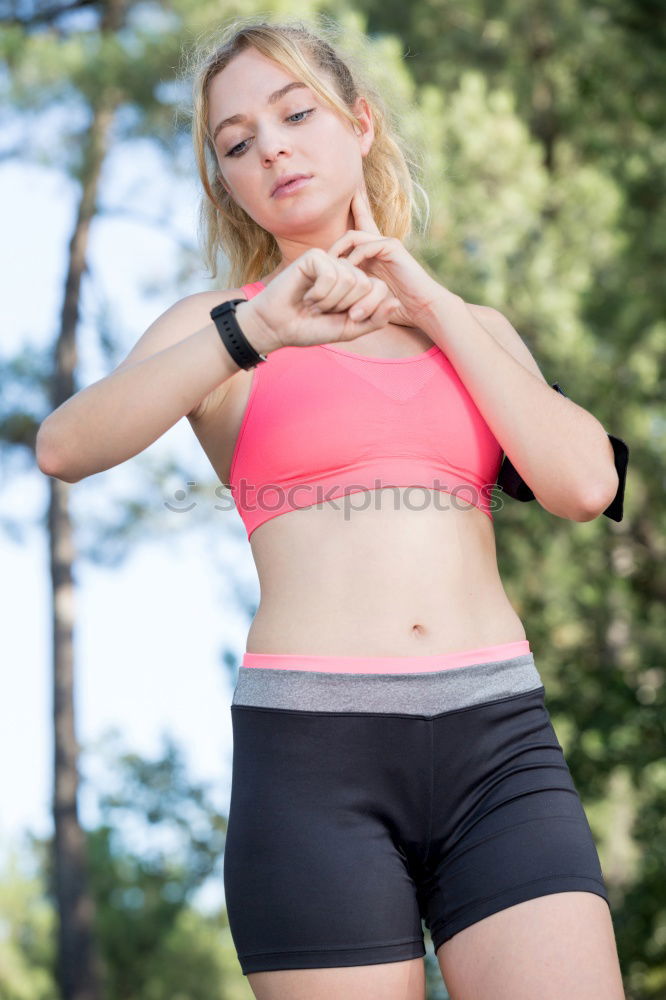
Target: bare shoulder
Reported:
[(179, 321), (496, 323)]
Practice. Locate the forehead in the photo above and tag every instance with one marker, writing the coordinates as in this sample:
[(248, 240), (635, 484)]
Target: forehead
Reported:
[(248, 79)]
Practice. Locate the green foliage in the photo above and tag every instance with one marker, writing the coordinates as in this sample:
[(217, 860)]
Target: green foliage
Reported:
[(159, 840), (26, 931), (540, 133), (549, 183), (198, 962)]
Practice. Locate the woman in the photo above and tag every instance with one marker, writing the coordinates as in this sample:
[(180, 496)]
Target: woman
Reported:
[(393, 756)]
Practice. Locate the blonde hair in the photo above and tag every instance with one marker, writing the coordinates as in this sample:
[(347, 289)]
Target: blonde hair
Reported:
[(389, 170)]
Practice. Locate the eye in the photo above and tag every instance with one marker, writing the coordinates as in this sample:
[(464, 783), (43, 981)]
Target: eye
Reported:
[(240, 148), (306, 112)]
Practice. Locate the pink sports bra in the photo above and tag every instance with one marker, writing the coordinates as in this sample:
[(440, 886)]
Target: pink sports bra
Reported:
[(321, 422)]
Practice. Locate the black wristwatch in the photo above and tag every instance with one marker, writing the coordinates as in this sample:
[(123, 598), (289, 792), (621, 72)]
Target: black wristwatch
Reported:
[(233, 338)]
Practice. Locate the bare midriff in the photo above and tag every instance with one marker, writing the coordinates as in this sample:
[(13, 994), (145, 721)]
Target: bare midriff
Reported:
[(397, 572), (381, 573)]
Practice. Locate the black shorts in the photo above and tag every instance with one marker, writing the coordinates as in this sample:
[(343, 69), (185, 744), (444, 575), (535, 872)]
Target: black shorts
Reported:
[(364, 803)]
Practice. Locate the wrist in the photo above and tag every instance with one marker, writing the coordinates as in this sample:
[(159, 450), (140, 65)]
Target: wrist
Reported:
[(254, 329), (443, 304)]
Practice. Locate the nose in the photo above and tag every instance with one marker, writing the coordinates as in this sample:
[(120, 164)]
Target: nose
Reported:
[(270, 156), (271, 144)]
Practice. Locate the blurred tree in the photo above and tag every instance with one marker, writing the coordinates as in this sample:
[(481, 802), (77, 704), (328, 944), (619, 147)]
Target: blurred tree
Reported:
[(547, 184), (26, 928), (104, 65), (159, 841)]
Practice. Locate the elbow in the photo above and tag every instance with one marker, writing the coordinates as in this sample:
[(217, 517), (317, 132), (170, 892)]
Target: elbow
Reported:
[(598, 500), (52, 473), (585, 508), (46, 464), (47, 461), (51, 469), (44, 453), (599, 496)]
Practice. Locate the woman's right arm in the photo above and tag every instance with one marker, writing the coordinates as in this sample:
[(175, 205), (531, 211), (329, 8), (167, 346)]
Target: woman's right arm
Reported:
[(166, 376)]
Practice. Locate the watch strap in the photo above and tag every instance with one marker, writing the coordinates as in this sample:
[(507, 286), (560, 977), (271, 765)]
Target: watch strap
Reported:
[(233, 338)]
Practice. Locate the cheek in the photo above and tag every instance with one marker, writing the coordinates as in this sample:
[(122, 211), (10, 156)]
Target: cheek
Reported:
[(334, 150), (239, 186)]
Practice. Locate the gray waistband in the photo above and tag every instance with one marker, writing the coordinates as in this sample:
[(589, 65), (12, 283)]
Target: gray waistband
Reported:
[(407, 694)]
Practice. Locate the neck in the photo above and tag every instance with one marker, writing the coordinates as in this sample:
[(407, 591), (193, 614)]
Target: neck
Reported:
[(323, 238)]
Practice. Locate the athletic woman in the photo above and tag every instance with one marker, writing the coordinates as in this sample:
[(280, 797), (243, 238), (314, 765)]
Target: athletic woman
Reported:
[(394, 760)]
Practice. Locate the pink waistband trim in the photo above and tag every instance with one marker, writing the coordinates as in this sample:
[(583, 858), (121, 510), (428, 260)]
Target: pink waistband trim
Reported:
[(387, 664)]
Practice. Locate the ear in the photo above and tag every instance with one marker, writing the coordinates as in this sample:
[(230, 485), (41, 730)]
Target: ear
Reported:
[(365, 129)]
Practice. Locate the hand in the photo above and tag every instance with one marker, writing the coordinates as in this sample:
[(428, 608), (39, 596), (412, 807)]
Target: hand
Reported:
[(281, 315), (387, 258)]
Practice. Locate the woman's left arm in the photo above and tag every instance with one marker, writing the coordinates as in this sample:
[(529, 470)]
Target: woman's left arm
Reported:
[(560, 449)]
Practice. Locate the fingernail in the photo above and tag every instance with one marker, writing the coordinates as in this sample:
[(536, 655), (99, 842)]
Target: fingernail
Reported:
[(356, 313)]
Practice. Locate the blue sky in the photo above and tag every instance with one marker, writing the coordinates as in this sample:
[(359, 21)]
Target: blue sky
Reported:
[(150, 633)]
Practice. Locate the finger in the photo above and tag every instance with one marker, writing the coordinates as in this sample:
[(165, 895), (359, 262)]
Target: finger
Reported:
[(336, 248), (324, 283), (388, 308), (366, 304), (363, 211), (358, 211), (326, 298), (379, 317), (371, 248), (362, 285), (347, 280), (348, 241)]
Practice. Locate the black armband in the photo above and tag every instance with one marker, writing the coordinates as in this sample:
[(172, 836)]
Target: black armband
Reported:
[(514, 486)]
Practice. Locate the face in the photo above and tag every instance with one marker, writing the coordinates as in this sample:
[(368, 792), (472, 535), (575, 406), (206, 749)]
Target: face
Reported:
[(297, 133)]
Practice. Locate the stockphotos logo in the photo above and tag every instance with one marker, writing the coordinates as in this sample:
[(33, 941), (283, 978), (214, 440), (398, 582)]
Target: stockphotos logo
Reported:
[(270, 498)]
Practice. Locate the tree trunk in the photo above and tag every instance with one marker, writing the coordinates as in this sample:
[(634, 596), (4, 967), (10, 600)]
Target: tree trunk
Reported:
[(78, 968)]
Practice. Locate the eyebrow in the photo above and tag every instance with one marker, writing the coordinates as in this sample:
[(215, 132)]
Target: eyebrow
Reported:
[(273, 99)]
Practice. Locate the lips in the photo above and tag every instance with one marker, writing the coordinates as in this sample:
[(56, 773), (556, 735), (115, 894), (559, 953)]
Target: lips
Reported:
[(286, 180)]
